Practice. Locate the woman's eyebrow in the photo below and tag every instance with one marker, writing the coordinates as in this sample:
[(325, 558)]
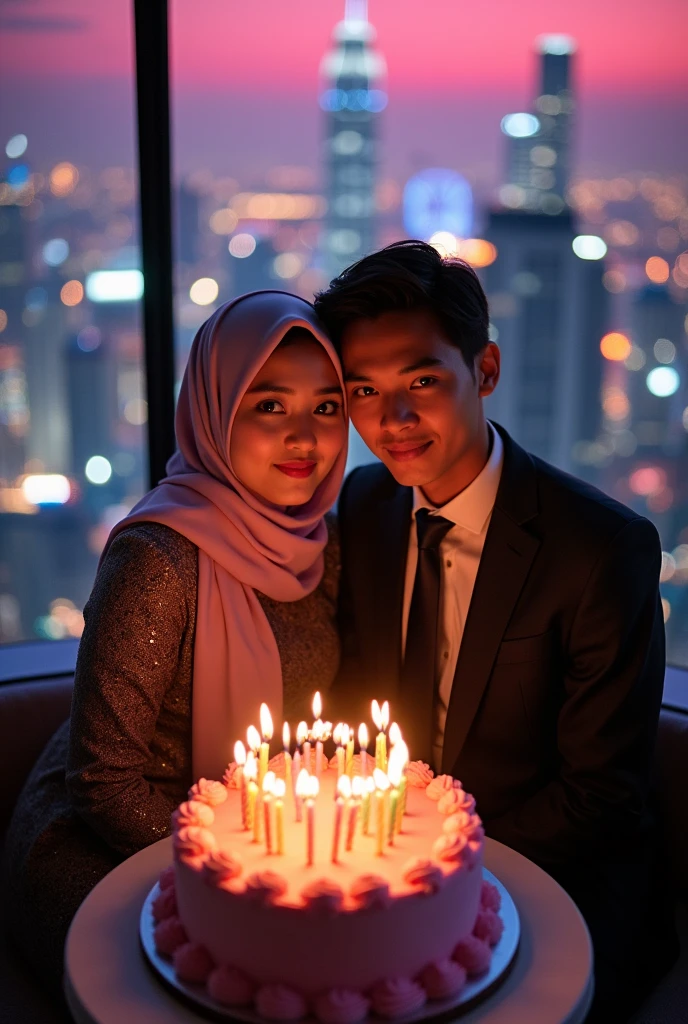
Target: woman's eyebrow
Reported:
[(267, 387)]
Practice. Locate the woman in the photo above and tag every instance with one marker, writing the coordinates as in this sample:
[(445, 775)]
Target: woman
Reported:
[(216, 593)]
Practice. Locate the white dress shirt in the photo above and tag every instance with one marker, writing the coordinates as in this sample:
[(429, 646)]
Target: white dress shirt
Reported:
[(460, 553)]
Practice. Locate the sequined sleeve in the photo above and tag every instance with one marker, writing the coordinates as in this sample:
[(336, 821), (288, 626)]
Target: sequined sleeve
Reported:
[(136, 619)]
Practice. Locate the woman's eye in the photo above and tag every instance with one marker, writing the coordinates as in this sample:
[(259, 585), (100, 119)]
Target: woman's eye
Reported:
[(328, 408), (270, 405), (363, 391), (424, 382)]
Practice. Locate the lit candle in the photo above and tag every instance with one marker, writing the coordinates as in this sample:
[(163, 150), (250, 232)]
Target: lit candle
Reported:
[(240, 758), (266, 730), (337, 737), (317, 706), (368, 791), (286, 739), (394, 773), (268, 783), (343, 794), (300, 792), (394, 733), (295, 771), (308, 788), (302, 741), (250, 775), (381, 787), (350, 753), (381, 719), (318, 731), (357, 788), (278, 790), (363, 744)]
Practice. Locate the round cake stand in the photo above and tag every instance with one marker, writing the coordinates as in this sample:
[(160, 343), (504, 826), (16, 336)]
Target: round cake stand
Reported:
[(475, 990)]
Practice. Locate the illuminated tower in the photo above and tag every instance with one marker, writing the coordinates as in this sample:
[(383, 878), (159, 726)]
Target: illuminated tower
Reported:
[(539, 143), (352, 101)]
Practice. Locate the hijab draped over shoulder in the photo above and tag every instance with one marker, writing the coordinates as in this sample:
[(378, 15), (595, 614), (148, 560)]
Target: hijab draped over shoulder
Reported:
[(244, 544)]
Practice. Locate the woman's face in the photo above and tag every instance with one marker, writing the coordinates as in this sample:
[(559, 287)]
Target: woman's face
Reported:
[(290, 426)]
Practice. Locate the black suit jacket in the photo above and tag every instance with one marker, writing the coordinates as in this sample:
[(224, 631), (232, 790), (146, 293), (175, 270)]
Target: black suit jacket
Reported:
[(556, 696)]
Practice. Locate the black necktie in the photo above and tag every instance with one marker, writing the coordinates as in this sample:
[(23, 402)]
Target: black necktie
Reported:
[(419, 673)]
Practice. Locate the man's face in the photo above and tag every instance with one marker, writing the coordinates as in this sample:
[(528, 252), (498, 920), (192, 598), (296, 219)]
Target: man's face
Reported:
[(413, 399)]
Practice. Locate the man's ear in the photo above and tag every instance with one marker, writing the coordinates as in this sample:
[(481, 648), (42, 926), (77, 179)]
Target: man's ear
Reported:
[(488, 364)]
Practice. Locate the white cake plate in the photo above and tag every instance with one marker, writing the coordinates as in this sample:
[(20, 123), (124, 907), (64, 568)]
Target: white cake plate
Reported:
[(474, 991)]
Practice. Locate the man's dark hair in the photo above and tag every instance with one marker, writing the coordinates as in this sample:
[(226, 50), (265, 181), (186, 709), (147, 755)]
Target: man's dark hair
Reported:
[(409, 275)]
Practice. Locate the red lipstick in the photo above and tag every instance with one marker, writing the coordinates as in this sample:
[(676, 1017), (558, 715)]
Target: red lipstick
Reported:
[(299, 469)]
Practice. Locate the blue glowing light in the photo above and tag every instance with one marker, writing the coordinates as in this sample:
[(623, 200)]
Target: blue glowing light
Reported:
[(18, 176), (372, 100), (438, 199)]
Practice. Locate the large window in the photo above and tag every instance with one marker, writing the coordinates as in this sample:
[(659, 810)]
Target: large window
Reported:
[(72, 409)]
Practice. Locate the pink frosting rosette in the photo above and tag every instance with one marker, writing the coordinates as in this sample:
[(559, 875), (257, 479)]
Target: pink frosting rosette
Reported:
[(232, 776), (488, 926), (166, 877), (165, 904), (395, 997), (265, 886), (474, 954), (322, 896), (341, 1006), (277, 1002), (440, 785), (418, 774), (424, 874), (450, 847), (192, 963), (193, 841), (370, 892), (443, 979), (230, 987), (490, 897), (221, 866), (193, 812), (169, 935), (456, 800), (208, 792)]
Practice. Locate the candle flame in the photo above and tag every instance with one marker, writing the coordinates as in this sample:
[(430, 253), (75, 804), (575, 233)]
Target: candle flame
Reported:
[(377, 716), (385, 714), (253, 738), (380, 779), (358, 786), (351, 735), (403, 752), (269, 782), (302, 783), (318, 730), (239, 753), (395, 766), (327, 730), (317, 705), (265, 722), (313, 786), (337, 734), (251, 767), (344, 786), (363, 735), (301, 733), (370, 784), (394, 733), (279, 788), (286, 736)]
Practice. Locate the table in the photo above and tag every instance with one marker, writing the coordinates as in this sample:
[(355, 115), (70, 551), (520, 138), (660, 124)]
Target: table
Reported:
[(108, 982)]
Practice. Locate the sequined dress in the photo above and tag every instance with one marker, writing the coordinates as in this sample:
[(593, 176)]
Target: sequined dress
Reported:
[(107, 782)]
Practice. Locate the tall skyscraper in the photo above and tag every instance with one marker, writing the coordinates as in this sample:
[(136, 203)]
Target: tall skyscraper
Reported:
[(549, 310), (353, 100), (538, 143)]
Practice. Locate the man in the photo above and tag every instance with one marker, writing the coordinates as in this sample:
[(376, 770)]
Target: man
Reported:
[(510, 612)]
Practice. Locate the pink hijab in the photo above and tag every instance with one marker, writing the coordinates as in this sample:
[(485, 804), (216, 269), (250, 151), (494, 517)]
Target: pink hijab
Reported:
[(244, 545)]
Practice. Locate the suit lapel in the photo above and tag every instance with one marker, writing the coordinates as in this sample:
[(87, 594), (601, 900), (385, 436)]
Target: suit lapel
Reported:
[(504, 566)]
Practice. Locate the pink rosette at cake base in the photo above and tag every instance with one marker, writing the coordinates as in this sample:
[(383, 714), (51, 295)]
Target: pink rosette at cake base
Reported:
[(473, 954), (322, 896), (490, 897), (396, 997), (230, 987), (443, 979), (220, 867), (192, 963), (418, 774), (169, 935), (370, 892), (455, 800), (424, 874), (450, 847), (193, 812), (166, 877), (208, 792), (165, 904), (440, 785), (232, 776), (265, 886), (341, 1006), (192, 842), (488, 926), (277, 1002)]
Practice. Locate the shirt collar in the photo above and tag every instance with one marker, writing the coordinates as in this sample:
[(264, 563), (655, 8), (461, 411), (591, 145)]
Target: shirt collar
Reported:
[(471, 508)]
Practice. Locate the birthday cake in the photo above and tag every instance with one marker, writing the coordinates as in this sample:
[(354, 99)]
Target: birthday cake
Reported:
[(301, 887)]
